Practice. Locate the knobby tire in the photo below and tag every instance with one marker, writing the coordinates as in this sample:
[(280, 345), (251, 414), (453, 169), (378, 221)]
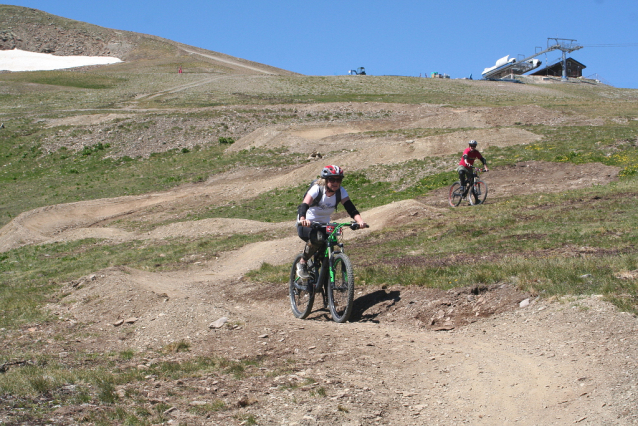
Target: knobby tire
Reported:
[(479, 193), (455, 195), (301, 296), (341, 295)]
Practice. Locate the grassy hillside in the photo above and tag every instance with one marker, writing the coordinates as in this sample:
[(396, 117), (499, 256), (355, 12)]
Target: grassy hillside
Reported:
[(49, 163), (37, 31), (139, 127), (538, 262)]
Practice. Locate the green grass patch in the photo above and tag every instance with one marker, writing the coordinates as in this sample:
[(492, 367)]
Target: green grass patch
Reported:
[(179, 346), (65, 176), (75, 79), (281, 204), (70, 382), (568, 243), (268, 273), (203, 410), (576, 242), (611, 145)]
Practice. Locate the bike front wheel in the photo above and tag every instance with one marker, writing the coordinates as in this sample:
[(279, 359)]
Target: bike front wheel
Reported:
[(455, 195), (341, 292), (479, 193), (302, 295)]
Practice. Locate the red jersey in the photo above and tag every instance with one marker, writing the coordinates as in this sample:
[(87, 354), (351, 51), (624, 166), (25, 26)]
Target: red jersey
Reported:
[(471, 156)]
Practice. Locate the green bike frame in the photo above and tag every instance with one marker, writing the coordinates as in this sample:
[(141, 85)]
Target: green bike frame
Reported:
[(331, 275)]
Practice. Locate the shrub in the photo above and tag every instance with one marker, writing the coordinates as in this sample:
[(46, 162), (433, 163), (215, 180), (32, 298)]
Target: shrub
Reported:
[(227, 141)]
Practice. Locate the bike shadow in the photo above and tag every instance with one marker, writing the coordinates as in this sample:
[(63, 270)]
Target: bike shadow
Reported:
[(364, 303), (361, 305)]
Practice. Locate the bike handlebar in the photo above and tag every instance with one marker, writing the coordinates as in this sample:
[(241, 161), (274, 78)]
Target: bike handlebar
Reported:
[(352, 225)]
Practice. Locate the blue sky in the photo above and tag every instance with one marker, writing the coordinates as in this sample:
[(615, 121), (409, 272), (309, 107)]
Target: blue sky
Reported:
[(410, 38)]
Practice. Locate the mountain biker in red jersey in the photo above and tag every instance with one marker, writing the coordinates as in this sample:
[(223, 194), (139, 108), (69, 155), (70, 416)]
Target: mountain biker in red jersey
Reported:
[(467, 161), (317, 206)]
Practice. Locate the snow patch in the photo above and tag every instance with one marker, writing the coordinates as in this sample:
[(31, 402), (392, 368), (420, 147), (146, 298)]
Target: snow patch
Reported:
[(20, 60)]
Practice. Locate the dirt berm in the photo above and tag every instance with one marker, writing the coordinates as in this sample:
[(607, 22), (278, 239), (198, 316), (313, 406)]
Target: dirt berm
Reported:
[(486, 355)]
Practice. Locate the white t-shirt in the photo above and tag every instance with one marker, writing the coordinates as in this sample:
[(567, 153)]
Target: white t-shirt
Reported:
[(322, 211)]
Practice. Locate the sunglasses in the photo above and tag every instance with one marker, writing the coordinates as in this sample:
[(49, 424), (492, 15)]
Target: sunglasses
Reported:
[(332, 179)]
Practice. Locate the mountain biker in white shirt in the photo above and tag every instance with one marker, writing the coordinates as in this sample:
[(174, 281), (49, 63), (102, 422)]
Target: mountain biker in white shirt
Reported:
[(317, 206)]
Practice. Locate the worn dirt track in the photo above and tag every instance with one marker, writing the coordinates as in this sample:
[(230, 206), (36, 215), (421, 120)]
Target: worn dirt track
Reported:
[(488, 355)]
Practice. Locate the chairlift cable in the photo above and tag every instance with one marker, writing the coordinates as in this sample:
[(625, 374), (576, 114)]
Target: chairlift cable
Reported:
[(612, 45)]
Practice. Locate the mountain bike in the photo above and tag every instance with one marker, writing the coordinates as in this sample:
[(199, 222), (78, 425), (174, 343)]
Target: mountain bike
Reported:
[(331, 276), (478, 192)]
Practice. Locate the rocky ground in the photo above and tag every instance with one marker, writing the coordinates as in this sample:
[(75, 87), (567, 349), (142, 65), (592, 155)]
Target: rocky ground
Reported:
[(482, 355)]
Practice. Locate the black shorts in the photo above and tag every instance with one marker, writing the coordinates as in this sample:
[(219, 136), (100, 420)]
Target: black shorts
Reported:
[(315, 236)]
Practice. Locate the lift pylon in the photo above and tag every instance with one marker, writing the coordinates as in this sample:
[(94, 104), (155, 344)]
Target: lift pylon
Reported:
[(565, 45)]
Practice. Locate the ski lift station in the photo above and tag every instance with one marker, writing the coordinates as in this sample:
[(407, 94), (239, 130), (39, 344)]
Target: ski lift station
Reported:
[(507, 67)]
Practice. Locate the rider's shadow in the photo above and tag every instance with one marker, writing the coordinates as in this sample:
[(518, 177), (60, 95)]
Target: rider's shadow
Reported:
[(364, 303)]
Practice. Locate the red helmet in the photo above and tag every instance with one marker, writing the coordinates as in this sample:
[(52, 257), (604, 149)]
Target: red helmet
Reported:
[(331, 171)]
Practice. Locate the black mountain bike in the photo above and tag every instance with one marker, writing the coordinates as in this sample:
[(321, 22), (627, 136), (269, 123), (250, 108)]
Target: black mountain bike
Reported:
[(475, 191), (331, 276)]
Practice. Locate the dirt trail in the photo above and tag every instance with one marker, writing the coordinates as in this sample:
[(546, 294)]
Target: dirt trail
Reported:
[(65, 222), (228, 61), (340, 143), (410, 356), (179, 88), (546, 363)]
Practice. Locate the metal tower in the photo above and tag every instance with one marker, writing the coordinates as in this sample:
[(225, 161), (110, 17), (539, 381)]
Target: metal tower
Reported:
[(566, 45)]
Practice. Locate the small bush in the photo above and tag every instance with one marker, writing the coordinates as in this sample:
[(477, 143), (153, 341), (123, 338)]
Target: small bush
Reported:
[(107, 392), (127, 354), (40, 384), (226, 141), (180, 346)]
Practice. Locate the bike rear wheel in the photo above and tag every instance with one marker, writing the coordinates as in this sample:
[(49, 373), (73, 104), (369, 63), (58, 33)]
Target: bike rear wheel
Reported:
[(479, 193), (341, 293), (455, 195), (302, 294)]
